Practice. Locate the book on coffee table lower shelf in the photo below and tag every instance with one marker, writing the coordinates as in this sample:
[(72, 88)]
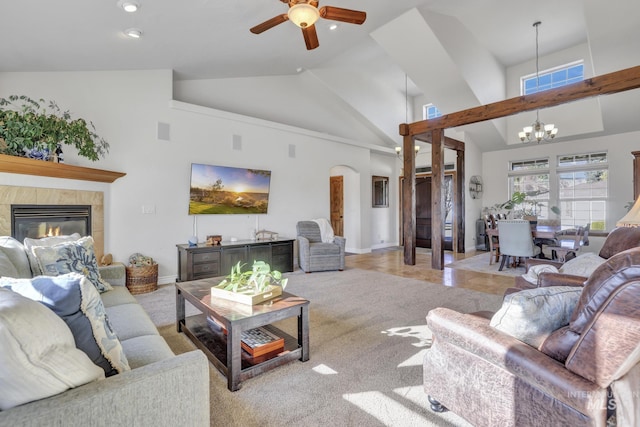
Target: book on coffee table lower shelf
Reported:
[(256, 342), (259, 341)]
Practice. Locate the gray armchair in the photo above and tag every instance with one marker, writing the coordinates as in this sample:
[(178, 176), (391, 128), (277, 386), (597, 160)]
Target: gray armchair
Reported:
[(316, 255)]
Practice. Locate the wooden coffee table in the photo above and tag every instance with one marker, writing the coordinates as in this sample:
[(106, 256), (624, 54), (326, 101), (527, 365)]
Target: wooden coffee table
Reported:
[(224, 350)]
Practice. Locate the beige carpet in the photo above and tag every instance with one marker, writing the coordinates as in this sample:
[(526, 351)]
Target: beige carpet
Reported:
[(481, 263), (368, 337)]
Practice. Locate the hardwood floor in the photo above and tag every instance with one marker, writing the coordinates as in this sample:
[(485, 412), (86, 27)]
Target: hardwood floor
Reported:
[(391, 261)]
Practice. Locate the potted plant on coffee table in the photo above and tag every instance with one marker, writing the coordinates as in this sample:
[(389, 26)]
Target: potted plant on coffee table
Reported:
[(252, 286)]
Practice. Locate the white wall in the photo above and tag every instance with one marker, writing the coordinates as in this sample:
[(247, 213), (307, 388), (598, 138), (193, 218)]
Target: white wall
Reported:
[(268, 97), (385, 221), (126, 108), (474, 166)]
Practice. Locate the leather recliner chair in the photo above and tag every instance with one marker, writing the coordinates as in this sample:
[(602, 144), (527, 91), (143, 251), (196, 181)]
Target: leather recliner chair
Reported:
[(618, 240), (490, 378)]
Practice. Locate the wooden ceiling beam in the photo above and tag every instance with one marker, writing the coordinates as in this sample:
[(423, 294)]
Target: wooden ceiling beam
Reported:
[(618, 81), (450, 143)]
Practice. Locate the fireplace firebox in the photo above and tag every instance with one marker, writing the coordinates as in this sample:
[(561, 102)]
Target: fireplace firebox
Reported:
[(36, 221)]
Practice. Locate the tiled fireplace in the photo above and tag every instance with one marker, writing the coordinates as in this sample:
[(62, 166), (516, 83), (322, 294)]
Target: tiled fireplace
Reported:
[(36, 221), (73, 201)]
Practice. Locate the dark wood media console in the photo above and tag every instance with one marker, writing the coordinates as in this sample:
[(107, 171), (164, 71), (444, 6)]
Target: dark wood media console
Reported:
[(203, 261)]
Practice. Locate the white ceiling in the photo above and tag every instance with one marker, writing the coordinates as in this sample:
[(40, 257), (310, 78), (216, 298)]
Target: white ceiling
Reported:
[(210, 39)]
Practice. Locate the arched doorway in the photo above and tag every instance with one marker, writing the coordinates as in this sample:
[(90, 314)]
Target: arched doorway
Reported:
[(344, 202)]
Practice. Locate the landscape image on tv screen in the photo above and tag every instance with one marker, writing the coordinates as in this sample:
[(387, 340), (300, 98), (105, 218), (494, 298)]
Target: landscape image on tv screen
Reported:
[(228, 190)]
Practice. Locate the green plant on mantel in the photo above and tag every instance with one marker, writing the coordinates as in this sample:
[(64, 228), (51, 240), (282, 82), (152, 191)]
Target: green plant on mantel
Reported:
[(26, 124), (254, 281)]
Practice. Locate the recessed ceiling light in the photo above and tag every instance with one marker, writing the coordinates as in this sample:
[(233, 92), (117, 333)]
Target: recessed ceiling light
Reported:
[(333, 26), (129, 6), (134, 33)]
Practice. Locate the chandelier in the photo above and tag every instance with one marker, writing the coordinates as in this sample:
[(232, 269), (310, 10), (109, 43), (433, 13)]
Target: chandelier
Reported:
[(538, 131)]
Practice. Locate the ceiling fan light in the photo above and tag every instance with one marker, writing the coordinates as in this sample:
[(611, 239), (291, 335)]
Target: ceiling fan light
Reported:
[(303, 15)]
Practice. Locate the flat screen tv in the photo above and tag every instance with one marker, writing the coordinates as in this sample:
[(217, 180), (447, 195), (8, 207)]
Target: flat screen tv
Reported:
[(228, 190)]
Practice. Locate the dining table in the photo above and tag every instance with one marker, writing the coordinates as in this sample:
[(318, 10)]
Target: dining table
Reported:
[(539, 232)]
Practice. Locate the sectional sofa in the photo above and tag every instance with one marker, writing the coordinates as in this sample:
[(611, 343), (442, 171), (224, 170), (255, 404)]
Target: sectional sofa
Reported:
[(160, 389)]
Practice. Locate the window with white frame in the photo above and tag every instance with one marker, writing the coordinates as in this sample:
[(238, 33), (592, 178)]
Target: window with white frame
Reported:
[(583, 190), (552, 78), (532, 178), (430, 111)]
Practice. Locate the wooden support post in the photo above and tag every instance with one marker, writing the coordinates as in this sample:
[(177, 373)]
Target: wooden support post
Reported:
[(636, 174), (459, 207), (437, 199), (409, 200)]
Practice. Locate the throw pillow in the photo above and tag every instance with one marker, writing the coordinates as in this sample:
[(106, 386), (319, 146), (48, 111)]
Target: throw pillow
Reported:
[(13, 258), (74, 299), (582, 265), (30, 243), (38, 358), (68, 257), (531, 315), (534, 271)]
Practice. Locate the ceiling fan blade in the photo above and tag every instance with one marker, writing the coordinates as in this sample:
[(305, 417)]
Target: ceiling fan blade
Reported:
[(343, 15), (310, 37), (270, 23)]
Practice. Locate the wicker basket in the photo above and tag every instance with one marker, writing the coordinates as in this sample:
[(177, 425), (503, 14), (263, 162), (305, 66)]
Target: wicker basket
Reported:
[(142, 279)]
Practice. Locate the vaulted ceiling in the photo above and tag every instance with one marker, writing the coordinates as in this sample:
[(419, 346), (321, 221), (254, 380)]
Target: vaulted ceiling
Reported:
[(455, 53)]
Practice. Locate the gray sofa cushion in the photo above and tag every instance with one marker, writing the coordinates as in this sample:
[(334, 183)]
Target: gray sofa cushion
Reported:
[(117, 296), (114, 274), (130, 320), (145, 350)]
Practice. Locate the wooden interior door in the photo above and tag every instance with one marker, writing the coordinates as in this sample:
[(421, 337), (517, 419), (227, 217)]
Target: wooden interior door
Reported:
[(336, 195), (423, 213)]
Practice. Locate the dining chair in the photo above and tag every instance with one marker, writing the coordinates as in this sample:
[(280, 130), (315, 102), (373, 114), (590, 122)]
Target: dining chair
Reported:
[(541, 242), (494, 244), (516, 241), (566, 248)]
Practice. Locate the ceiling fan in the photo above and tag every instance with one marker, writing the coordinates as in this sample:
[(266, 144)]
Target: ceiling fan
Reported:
[(304, 13)]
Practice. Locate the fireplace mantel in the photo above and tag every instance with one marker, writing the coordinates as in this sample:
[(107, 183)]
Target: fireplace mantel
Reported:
[(14, 164)]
